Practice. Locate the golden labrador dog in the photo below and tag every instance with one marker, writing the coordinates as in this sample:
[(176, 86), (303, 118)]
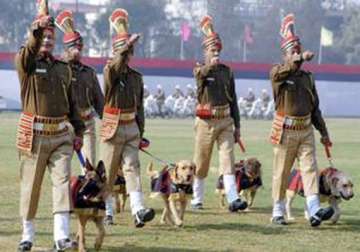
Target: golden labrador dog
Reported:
[(88, 194), (334, 185), (175, 186), (248, 181)]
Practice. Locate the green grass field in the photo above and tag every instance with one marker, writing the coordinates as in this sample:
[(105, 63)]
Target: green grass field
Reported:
[(213, 229)]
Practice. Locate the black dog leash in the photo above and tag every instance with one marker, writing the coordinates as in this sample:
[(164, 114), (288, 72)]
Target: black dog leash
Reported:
[(169, 164)]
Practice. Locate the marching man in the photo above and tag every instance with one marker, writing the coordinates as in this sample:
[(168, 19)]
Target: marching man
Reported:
[(85, 85), (297, 109), (123, 119), (217, 119), (44, 137)]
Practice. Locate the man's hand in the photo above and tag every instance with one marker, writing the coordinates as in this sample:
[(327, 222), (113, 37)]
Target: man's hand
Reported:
[(214, 61), (326, 141), (133, 39), (78, 143), (308, 55), (237, 135)]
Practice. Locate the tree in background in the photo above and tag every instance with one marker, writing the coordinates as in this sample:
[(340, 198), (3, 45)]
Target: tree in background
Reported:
[(15, 19), (229, 24), (349, 40), (146, 17)]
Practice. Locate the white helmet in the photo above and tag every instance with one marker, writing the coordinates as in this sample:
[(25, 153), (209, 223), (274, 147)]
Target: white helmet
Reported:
[(189, 86), (177, 87), (146, 87), (159, 87)]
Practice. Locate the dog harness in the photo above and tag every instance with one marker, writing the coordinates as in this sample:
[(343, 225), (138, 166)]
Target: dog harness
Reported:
[(296, 184), (243, 181), (163, 184), (83, 194)]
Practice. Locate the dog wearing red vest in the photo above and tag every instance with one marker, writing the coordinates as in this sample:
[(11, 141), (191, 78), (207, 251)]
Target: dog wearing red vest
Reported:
[(88, 193), (248, 181), (334, 186)]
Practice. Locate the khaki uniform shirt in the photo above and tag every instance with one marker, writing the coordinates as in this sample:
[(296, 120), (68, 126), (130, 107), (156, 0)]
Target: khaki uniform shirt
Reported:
[(86, 88), (216, 86), (124, 87), (45, 83), (295, 94)]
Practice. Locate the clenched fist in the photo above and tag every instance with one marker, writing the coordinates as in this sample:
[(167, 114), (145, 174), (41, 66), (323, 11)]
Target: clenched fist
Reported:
[(308, 55)]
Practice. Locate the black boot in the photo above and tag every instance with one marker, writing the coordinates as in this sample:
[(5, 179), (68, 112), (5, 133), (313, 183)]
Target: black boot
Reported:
[(197, 206), (279, 220), (237, 205), (24, 246), (144, 215), (322, 214), (65, 245), (108, 220)]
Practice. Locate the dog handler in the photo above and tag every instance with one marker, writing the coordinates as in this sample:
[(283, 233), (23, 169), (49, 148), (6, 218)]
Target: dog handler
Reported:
[(297, 108), (123, 119), (85, 85), (217, 119), (44, 137)]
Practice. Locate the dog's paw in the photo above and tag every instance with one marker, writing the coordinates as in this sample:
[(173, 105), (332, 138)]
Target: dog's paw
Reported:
[(97, 246), (179, 224), (334, 219)]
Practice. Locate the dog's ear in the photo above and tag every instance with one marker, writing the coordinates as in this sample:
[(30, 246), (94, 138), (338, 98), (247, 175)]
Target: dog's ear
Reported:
[(88, 165), (334, 180), (193, 166), (101, 169), (176, 171)]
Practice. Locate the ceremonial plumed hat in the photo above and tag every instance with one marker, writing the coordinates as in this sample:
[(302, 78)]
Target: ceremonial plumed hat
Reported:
[(287, 33), (65, 22), (120, 23), (211, 38), (43, 11)]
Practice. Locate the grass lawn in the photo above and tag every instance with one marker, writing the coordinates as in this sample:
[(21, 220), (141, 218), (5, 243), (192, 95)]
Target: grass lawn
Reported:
[(213, 229)]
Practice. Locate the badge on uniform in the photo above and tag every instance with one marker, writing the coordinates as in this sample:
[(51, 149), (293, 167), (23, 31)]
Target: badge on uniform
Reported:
[(290, 82), (210, 79), (40, 70), (122, 84)]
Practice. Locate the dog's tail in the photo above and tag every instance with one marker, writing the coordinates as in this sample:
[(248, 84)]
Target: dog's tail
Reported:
[(150, 170)]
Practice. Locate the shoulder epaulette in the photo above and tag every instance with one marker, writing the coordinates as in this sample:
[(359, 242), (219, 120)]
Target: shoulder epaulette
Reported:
[(135, 71)]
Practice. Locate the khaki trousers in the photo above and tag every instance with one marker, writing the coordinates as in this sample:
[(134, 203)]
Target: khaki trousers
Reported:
[(123, 151), (55, 153), (89, 141), (207, 132), (295, 145)]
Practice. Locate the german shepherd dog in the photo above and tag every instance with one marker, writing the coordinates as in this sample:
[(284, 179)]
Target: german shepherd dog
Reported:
[(88, 195)]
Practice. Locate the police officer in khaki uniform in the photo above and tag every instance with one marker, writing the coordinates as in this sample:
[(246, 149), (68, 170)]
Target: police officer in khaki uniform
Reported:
[(44, 137), (123, 118), (85, 85), (217, 120), (297, 109)]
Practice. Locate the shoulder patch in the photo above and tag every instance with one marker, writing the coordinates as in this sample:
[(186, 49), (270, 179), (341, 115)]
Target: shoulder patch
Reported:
[(61, 61), (87, 67), (135, 71)]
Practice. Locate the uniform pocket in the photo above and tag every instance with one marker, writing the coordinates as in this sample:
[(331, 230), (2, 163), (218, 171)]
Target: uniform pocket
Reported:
[(42, 83)]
